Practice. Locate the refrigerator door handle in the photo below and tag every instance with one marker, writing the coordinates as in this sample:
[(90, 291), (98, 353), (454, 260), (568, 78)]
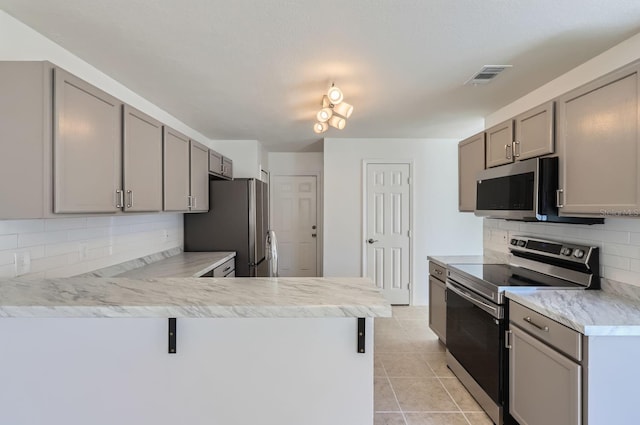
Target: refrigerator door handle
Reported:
[(271, 248)]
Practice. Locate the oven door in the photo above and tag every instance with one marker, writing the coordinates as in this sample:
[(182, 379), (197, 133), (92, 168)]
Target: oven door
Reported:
[(475, 337)]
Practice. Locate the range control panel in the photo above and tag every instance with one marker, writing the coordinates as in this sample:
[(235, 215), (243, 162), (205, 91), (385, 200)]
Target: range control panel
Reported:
[(560, 250)]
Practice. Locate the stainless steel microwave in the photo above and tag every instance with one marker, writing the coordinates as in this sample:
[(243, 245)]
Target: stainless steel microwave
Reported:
[(524, 190)]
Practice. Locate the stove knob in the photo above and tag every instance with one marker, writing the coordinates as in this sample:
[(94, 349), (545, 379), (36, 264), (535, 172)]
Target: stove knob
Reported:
[(514, 242), (578, 253), (521, 243), (567, 251)]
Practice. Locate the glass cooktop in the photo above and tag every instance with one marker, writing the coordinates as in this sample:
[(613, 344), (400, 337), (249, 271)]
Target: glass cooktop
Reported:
[(505, 275)]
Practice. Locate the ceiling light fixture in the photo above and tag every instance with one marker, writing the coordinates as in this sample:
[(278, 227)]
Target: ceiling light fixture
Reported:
[(334, 111)]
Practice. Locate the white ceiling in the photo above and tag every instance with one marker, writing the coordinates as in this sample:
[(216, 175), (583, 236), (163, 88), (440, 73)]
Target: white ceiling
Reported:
[(251, 69)]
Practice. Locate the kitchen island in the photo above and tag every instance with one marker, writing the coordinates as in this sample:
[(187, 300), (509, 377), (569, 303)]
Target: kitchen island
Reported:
[(247, 350)]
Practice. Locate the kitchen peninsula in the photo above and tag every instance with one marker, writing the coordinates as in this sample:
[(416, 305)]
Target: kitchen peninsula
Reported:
[(248, 350)]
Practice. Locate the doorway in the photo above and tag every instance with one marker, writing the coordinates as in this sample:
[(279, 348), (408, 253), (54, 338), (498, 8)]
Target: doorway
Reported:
[(387, 223), (295, 221)]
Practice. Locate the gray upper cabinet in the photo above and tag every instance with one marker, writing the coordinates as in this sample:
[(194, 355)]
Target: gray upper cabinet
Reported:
[(175, 171), (25, 120), (220, 166), (471, 157), (534, 132), (215, 162), (227, 168), (499, 144), (599, 146), (199, 177), (87, 135), (142, 161)]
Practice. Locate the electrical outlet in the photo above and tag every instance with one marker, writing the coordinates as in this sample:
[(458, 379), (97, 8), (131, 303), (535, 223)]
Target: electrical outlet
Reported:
[(22, 262), (165, 235)]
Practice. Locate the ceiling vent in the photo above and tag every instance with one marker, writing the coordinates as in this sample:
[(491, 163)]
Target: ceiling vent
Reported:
[(487, 74)]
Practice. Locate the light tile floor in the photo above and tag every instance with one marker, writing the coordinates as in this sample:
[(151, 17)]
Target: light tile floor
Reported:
[(412, 384)]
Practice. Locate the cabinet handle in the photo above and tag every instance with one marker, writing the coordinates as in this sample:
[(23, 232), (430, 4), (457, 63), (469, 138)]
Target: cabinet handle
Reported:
[(439, 272), (130, 193), (507, 339), (516, 149), (189, 202), (559, 193), (535, 325), (507, 149), (120, 198), (195, 202), (227, 269)]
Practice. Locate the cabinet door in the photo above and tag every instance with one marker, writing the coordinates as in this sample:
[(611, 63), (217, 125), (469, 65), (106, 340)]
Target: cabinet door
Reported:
[(534, 132), (599, 147), (199, 177), (215, 162), (87, 147), (438, 308), (544, 385), (227, 167), (25, 113), (470, 161), (175, 171), (500, 144), (142, 161)]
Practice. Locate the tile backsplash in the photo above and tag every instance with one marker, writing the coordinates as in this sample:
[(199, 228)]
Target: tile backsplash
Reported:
[(618, 239), (65, 247)]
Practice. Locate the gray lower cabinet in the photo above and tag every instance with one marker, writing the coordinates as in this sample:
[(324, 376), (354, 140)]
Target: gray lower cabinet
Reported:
[(176, 171), (557, 376), (199, 177), (226, 269), (438, 301), (142, 161), (598, 140), (544, 384), (471, 157), (87, 147)]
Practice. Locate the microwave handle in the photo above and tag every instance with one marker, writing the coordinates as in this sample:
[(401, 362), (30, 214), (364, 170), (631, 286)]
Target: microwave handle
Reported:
[(559, 193)]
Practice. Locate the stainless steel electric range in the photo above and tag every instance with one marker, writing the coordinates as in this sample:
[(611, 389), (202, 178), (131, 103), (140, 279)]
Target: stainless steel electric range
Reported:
[(477, 313)]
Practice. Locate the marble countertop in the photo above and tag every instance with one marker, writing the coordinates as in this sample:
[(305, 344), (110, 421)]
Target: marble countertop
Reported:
[(590, 312), (191, 297), (444, 260), (185, 264)]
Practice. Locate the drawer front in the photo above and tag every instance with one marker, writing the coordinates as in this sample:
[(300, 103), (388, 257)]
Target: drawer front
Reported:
[(545, 329), (437, 271), (225, 268)]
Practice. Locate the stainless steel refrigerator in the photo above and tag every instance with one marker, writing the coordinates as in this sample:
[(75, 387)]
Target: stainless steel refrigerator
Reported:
[(238, 220)]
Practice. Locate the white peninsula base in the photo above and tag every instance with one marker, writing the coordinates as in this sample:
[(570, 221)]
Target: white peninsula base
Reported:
[(226, 371)]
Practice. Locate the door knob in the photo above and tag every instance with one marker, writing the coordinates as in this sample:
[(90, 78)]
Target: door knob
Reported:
[(372, 240)]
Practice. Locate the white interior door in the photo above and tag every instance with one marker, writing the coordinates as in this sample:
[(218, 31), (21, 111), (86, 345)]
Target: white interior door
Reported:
[(294, 220), (387, 229)]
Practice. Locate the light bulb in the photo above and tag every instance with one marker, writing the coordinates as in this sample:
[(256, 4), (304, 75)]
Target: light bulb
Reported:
[(343, 109), (335, 95), (324, 114), (320, 127), (337, 122)]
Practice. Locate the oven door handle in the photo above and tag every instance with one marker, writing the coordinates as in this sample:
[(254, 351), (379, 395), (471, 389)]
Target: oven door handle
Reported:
[(496, 312)]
